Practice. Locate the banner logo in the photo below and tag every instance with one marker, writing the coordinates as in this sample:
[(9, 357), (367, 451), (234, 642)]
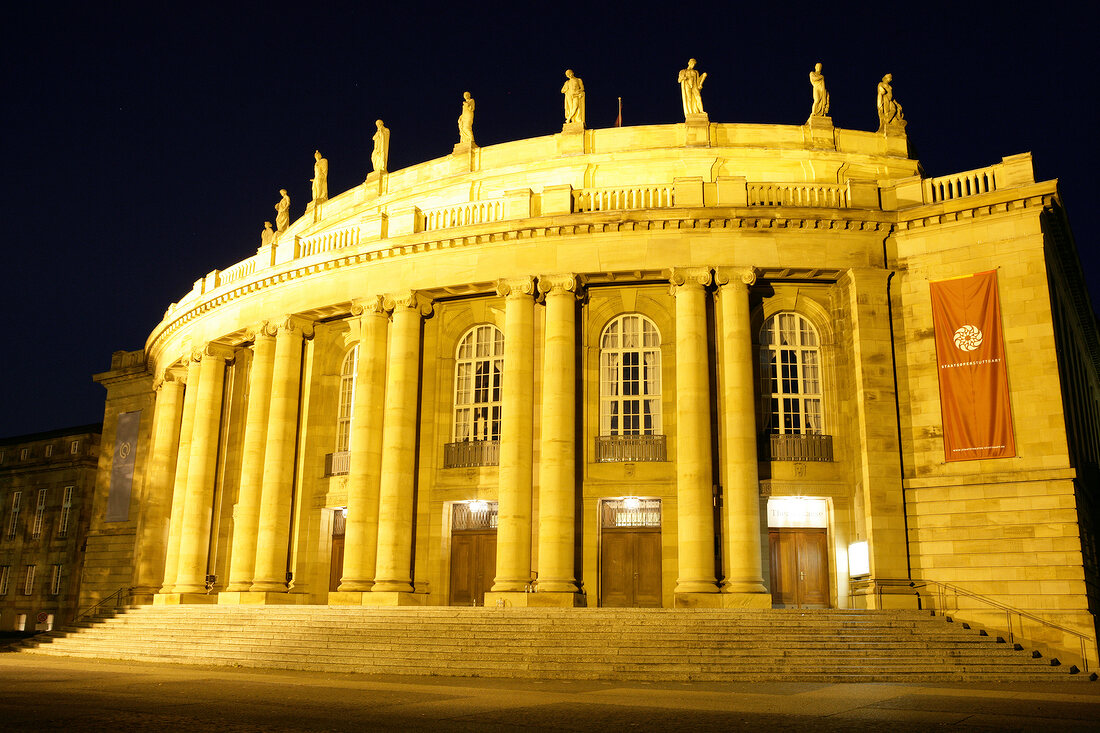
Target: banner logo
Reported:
[(968, 338)]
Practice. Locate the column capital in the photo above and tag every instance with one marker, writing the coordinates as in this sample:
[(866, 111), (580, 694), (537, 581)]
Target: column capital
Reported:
[(291, 323), (689, 277), (728, 275), (371, 305), (409, 300), (516, 287), (170, 375), (262, 329), (213, 350), (566, 281)]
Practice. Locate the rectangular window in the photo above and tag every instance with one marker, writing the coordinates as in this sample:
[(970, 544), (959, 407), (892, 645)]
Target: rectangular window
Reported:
[(5, 576), (13, 520), (39, 515), (28, 583), (24, 454), (55, 581), (66, 511), (74, 447), (49, 451)]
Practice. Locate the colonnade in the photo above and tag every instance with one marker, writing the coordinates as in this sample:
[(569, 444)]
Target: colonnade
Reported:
[(380, 502)]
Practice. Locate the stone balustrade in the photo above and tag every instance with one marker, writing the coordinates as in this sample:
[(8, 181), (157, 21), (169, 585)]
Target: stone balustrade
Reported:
[(328, 241), (959, 185), (816, 195), (239, 271), (457, 215), (622, 198)]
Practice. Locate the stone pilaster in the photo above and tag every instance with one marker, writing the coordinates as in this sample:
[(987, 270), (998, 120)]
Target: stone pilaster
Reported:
[(738, 436), (694, 494), (198, 505), (157, 501), (273, 533), (254, 446), (393, 577), (557, 449), (513, 572), (361, 530), (179, 480)]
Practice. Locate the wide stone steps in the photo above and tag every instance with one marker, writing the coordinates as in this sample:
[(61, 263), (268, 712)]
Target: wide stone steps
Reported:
[(627, 644)]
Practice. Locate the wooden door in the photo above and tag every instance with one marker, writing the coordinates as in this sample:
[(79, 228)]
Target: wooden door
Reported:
[(630, 568), (473, 566), (799, 568)]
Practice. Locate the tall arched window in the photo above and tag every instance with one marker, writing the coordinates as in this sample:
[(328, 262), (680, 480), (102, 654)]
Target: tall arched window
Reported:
[(630, 377), (347, 401), (479, 367), (790, 375)]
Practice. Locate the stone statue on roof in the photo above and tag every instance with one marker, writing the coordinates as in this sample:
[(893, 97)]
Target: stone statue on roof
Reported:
[(889, 111), (691, 87), (573, 89), (320, 178), (267, 236), (466, 120), (820, 106), (282, 212), (379, 157)]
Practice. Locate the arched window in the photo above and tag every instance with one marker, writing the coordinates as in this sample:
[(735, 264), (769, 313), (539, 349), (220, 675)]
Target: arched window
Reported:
[(479, 367), (347, 401), (630, 377), (790, 376)]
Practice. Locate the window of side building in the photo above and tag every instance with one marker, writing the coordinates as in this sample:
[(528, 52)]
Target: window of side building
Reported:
[(28, 580), (5, 578), (66, 512), (13, 517), (39, 515)]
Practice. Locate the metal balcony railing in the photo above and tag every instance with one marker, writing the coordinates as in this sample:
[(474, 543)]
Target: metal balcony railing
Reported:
[(470, 453), (338, 463), (796, 447), (630, 448)]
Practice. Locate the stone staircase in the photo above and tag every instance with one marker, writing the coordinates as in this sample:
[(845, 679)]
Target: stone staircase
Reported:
[(599, 643)]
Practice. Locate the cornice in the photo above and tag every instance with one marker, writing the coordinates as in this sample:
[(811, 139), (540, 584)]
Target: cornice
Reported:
[(939, 214)]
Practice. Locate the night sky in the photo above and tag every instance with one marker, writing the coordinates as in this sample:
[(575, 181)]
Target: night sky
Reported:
[(145, 147)]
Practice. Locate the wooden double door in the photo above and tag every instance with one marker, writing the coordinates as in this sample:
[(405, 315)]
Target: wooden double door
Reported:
[(473, 565), (630, 567), (799, 568)]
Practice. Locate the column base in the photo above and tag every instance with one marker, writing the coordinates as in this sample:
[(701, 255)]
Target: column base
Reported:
[(392, 598), (691, 599), (349, 598), (514, 599), (253, 598), (745, 600), (183, 599)]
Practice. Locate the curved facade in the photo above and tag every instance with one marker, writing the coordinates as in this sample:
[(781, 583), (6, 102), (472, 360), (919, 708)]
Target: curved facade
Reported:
[(675, 365)]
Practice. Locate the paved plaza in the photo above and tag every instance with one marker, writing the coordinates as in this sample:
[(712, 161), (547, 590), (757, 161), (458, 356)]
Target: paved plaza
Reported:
[(41, 694)]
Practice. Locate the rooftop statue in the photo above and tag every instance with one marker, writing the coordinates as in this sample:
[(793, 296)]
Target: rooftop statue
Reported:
[(691, 86), (381, 153), (282, 212), (267, 236), (573, 89), (466, 120), (320, 178), (889, 111), (821, 97)]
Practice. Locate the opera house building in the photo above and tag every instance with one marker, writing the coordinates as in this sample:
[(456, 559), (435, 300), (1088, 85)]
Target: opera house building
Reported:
[(694, 365)]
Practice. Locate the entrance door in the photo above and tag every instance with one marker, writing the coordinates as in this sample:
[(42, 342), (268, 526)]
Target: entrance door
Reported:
[(630, 568), (336, 563), (473, 566), (800, 568)]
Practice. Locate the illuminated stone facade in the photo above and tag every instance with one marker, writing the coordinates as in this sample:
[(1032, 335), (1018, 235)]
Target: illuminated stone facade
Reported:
[(537, 373)]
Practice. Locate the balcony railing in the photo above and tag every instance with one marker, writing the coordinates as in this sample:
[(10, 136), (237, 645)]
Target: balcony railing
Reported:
[(796, 447), (630, 448), (471, 453), (338, 463)]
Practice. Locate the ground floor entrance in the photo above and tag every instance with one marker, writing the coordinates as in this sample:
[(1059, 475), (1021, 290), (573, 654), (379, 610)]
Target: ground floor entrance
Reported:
[(630, 553), (336, 557), (799, 568), (473, 552)]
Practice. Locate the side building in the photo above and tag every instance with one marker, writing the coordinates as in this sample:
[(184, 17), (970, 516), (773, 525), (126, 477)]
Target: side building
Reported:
[(46, 487), (689, 365)]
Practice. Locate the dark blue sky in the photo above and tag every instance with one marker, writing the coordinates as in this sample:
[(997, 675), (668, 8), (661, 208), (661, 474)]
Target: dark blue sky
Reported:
[(145, 147)]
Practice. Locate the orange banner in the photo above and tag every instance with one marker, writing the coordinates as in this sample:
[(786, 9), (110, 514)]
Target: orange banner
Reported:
[(970, 356)]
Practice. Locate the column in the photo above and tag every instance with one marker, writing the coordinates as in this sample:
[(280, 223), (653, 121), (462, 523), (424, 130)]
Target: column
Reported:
[(557, 447), (398, 481), (157, 492), (516, 427), (253, 447), (277, 494), (694, 495), (201, 472), (361, 530), (875, 445), (179, 480), (739, 472)]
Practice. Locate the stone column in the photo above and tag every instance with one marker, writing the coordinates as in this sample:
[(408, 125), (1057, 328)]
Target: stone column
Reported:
[(557, 447), (395, 506), (273, 535), (157, 493), (361, 530), (179, 479), (201, 468), (738, 425), (247, 512), (694, 494), (517, 411)]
